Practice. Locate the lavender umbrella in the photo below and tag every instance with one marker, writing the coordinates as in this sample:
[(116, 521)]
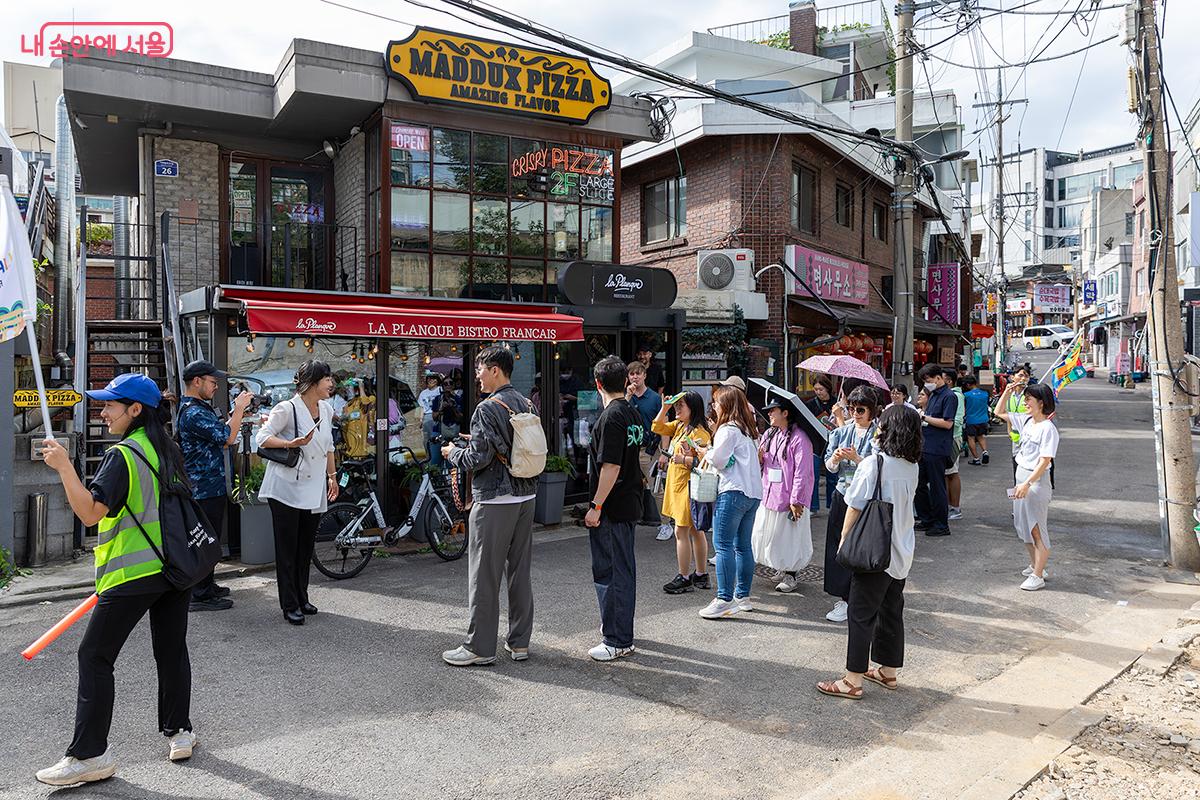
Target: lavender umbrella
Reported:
[(845, 367)]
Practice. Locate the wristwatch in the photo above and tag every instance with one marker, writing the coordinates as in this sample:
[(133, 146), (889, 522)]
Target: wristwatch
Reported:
[(594, 506)]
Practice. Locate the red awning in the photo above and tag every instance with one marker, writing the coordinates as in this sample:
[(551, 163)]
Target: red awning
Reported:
[(290, 312), (982, 331)]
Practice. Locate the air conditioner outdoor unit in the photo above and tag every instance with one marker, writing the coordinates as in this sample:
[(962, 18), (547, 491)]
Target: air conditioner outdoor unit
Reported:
[(725, 270)]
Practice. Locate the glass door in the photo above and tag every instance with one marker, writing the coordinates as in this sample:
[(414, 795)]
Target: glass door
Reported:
[(245, 232), (579, 402), (298, 238)]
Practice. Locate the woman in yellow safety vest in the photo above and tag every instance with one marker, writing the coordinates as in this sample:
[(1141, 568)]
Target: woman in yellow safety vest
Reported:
[(129, 577), (1016, 405)]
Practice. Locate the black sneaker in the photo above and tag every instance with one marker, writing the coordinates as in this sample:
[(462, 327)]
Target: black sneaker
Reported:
[(210, 604), (985, 457), (220, 591), (938, 532), (922, 525), (678, 585), (699, 581)]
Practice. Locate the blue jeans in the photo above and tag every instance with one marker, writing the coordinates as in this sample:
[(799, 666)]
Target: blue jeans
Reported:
[(733, 523), (614, 571), (831, 480)]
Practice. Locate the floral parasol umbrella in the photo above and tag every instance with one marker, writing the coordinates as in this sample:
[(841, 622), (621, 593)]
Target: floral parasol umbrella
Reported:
[(845, 367)]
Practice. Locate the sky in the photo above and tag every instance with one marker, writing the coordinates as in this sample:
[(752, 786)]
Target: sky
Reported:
[(254, 35)]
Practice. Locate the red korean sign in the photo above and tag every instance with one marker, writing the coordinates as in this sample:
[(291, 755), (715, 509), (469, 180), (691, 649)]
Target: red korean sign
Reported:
[(830, 277)]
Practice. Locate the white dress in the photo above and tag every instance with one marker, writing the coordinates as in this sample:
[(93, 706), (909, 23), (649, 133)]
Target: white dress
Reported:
[(1038, 440), (781, 543)]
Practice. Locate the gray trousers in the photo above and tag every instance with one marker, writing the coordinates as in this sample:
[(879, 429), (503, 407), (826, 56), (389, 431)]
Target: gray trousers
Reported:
[(500, 544)]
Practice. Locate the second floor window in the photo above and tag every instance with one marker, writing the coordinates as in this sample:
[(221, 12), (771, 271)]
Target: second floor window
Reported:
[(844, 205), (879, 221), (664, 210), (804, 199)]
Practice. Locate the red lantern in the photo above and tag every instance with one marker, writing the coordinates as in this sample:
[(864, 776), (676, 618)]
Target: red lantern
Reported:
[(861, 355), (845, 343), (867, 343)]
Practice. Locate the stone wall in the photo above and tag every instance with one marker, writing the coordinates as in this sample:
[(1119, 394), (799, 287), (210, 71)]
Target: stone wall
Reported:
[(350, 203), (194, 196)]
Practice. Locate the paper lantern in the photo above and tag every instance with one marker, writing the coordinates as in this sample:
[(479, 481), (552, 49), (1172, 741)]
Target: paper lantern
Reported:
[(867, 343), (861, 355), (845, 342)]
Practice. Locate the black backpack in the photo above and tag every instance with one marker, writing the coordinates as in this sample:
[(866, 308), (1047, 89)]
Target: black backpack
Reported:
[(190, 548), (868, 546)]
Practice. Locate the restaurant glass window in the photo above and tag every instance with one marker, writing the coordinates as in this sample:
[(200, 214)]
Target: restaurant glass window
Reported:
[(409, 155), (451, 221), (410, 219), (410, 273), (489, 279), (579, 402), (528, 279), (528, 172), (597, 233), (451, 159), (528, 228), (562, 219), (491, 164), (489, 222), (451, 275)]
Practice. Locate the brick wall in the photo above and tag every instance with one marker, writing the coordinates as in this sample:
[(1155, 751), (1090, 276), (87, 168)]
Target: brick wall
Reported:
[(803, 26), (195, 258), (742, 197), (350, 202)]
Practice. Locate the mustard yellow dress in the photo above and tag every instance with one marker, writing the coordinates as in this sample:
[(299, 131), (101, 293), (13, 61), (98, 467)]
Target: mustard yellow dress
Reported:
[(675, 495)]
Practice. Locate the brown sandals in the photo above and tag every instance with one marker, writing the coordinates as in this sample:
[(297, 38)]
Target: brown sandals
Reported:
[(875, 676), (833, 689)]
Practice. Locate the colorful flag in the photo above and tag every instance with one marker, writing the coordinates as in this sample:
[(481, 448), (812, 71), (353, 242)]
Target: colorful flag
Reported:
[(1070, 369), (17, 281)]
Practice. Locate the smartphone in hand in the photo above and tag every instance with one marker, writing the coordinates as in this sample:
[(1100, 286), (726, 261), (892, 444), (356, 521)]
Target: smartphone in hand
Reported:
[(1012, 492), (675, 398)]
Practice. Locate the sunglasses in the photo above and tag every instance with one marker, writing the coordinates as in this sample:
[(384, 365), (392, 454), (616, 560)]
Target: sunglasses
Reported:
[(860, 409)]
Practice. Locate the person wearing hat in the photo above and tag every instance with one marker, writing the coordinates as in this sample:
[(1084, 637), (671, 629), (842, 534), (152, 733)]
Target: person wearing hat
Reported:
[(782, 535), (203, 438), (129, 576)]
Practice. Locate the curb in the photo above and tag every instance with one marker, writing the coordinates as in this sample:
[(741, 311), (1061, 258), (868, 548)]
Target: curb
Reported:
[(81, 589)]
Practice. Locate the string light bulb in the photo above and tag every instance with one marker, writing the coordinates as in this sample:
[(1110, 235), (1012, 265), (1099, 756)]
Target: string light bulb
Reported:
[(427, 359), (453, 348), (291, 342), (249, 347)]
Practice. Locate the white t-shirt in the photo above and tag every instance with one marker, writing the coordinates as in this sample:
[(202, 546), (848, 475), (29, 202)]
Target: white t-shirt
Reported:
[(1038, 439), (735, 457), (898, 488), (425, 400)]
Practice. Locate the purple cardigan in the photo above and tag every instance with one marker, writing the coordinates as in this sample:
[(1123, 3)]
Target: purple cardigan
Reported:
[(792, 453)]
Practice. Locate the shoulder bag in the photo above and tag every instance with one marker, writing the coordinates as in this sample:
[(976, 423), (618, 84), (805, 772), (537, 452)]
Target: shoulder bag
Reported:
[(868, 545), (286, 456), (190, 549)]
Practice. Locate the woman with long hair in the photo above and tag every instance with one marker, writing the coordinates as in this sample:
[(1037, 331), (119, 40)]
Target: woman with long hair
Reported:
[(845, 450), (875, 628), (1037, 448), (123, 502), (821, 404), (688, 430), (782, 538), (299, 495), (739, 490)]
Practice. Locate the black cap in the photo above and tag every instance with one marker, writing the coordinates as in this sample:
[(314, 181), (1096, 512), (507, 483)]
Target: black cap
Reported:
[(200, 368)]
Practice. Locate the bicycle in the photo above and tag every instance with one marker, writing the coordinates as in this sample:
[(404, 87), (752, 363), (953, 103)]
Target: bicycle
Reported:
[(346, 543)]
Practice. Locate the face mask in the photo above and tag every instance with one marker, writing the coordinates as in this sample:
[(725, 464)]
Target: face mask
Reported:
[(930, 387)]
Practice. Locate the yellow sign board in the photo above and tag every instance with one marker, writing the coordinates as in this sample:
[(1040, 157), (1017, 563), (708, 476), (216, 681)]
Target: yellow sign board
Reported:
[(56, 398), (443, 67)]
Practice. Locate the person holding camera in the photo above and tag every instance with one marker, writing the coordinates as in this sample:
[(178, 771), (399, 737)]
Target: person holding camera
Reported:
[(203, 438), (501, 520)]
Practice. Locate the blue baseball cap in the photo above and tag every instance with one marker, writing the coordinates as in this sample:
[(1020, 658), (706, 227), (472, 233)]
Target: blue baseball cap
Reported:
[(133, 387)]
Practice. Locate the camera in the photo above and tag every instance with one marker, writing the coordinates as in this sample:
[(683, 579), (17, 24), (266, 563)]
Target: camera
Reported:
[(257, 401), (456, 441)]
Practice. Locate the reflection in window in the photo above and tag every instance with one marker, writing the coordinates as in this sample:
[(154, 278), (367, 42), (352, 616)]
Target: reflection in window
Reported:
[(410, 273), (451, 274), (528, 278), (529, 174), (528, 235), (597, 232), (564, 230), (410, 218), (451, 221), (451, 159), (490, 221), (490, 279), (491, 164), (409, 155)]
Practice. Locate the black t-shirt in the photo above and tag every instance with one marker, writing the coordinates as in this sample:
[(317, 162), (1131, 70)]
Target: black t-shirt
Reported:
[(111, 487), (617, 438), (656, 379)]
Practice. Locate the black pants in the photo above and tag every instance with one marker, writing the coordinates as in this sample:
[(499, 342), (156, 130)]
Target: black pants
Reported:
[(214, 509), (932, 503), (837, 577), (614, 571), (876, 622), (109, 626), (295, 531)]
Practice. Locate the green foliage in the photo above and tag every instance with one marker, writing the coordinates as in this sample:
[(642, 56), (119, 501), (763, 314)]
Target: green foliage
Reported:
[(781, 40), (9, 570), (891, 45), (245, 492), (560, 464), (729, 339), (99, 234)]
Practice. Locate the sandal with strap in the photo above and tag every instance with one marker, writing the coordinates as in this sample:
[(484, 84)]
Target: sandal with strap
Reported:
[(875, 676), (832, 688)]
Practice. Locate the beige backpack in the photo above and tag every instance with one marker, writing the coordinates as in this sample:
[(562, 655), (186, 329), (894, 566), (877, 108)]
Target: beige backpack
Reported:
[(528, 456)]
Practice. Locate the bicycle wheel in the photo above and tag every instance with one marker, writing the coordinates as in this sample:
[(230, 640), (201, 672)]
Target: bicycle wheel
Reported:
[(447, 535), (336, 561)]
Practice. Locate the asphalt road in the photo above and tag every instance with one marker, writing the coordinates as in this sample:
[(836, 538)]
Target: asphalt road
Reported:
[(357, 703)]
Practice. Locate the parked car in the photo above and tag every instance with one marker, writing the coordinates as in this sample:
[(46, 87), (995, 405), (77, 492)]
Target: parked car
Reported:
[(1039, 337)]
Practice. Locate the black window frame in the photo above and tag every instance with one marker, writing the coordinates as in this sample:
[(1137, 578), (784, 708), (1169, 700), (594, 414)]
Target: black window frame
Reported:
[(879, 221), (799, 173), (843, 205), (674, 216)]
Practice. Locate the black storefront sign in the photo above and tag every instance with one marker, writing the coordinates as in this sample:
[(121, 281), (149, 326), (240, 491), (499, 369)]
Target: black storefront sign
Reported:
[(584, 283)]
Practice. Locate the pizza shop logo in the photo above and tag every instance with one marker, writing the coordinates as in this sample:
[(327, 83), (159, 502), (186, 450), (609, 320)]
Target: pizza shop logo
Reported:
[(310, 325), (442, 67), (622, 285), (569, 172)]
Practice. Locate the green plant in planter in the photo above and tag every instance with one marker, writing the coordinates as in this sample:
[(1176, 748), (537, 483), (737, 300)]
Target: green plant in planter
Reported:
[(560, 464), (244, 492)]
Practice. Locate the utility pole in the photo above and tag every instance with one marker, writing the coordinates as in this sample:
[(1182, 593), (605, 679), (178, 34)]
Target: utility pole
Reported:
[(903, 197), (1173, 442), (999, 281)]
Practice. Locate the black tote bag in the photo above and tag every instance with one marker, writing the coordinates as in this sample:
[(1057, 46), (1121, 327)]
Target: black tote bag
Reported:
[(287, 456), (868, 546), (190, 549)]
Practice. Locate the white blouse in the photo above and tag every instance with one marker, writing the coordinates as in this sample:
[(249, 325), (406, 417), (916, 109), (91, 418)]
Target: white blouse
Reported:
[(735, 457), (304, 486)]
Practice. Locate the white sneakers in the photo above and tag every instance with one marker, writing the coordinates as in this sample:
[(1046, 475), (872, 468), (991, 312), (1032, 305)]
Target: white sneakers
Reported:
[(1029, 571), (462, 657), (955, 513), (516, 653), (72, 770), (744, 604), (840, 612), (787, 584), (665, 532), (182, 744), (719, 608), (604, 652), (1033, 583)]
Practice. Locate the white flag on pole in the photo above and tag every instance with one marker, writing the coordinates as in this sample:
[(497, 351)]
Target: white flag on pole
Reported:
[(18, 293)]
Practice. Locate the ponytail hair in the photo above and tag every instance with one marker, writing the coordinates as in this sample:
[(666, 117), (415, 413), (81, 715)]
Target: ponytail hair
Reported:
[(172, 474)]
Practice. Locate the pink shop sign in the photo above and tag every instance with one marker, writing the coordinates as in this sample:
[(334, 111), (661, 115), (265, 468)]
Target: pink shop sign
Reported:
[(943, 293), (831, 277)]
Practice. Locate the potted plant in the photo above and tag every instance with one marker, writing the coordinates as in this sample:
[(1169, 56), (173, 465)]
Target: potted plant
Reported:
[(258, 536), (552, 490)]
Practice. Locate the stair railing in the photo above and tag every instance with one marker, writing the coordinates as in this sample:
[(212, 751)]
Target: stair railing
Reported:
[(171, 323)]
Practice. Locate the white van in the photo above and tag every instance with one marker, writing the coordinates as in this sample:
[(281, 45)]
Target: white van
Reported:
[(1044, 336)]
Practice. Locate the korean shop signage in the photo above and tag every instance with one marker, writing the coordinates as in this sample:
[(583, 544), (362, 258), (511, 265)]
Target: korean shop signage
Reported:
[(443, 67), (943, 293), (830, 277)]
